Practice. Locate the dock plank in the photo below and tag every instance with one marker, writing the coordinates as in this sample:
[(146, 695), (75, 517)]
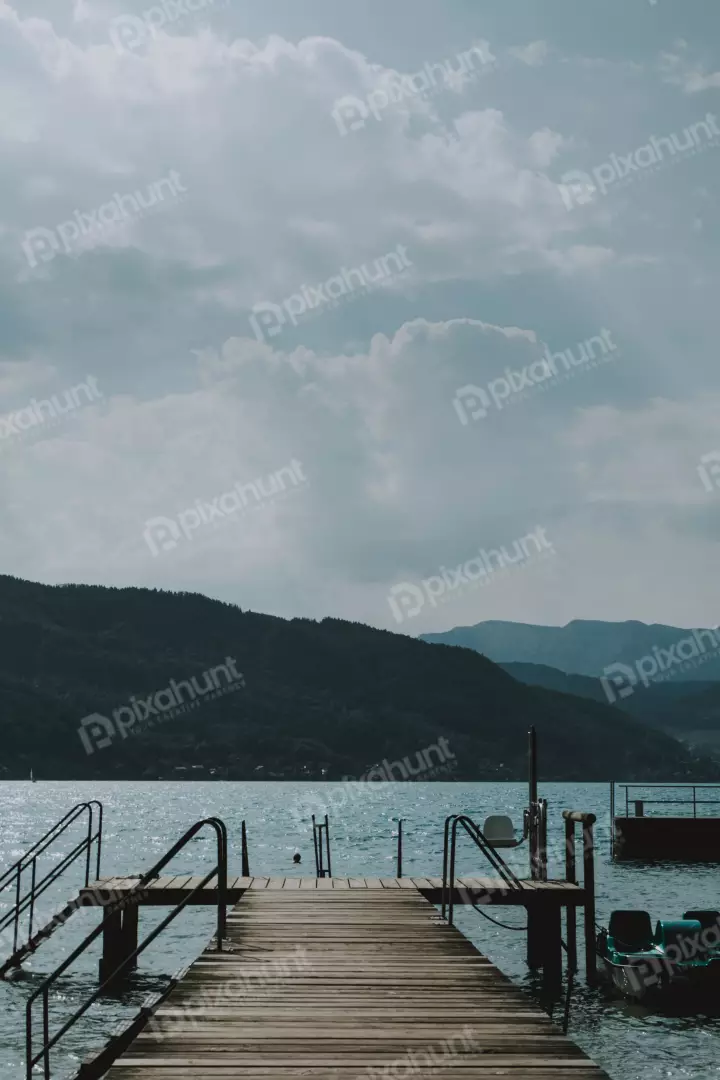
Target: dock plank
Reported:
[(325, 982)]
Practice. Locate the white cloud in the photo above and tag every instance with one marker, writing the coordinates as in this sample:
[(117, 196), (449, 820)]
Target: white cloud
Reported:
[(534, 55)]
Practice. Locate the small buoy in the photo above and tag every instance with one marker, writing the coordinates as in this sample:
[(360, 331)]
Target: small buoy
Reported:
[(296, 857)]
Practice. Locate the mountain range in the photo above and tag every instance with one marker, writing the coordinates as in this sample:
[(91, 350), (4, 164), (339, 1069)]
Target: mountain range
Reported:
[(587, 647), (138, 683)]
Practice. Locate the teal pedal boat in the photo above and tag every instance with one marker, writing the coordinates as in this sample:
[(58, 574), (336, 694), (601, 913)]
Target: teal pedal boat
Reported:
[(681, 957)]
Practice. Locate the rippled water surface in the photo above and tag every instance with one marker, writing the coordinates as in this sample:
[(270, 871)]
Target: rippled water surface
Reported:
[(143, 819)]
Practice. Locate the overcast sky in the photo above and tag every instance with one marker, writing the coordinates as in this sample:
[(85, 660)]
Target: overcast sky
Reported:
[(280, 236)]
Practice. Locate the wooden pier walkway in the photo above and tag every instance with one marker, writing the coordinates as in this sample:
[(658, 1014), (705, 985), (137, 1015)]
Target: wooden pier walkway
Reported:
[(324, 980), (172, 890)]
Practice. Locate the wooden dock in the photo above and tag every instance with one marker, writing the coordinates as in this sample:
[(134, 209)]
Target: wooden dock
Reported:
[(172, 890), (338, 978)]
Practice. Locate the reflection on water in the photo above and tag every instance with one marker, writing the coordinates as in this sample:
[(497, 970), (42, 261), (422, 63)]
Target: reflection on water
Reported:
[(143, 820)]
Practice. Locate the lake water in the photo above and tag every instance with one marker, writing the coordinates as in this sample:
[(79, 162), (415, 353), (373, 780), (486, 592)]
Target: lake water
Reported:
[(142, 820)]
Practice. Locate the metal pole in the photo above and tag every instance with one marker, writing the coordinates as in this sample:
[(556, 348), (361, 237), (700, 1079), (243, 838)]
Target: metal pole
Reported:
[(532, 785), (327, 841), (315, 847), (32, 898), (399, 850), (532, 764), (245, 860)]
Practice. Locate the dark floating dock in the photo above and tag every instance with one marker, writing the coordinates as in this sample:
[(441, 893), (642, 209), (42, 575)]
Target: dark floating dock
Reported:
[(665, 822), (332, 979)]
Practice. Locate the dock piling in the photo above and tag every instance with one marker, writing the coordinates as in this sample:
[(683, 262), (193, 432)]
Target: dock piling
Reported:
[(589, 885), (119, 943), (587, 821), (571, 877)]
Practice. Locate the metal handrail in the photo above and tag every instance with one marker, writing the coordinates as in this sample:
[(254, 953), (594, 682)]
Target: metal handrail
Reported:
[(219, 871), (13, 875), (692, 799), (450, 842), (318, 831)]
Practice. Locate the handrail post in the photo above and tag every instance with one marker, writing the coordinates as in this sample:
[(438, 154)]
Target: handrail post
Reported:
[(400, 848), (245, 860), (451, 880), (222, 882), (46, 1033), (327, 844), (32, 897), (89, 841), (17, 908), (315, 847), (446, 853), (99, 836)]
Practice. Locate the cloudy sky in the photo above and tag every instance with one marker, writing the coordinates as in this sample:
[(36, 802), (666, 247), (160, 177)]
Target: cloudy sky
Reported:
[(335, 251)]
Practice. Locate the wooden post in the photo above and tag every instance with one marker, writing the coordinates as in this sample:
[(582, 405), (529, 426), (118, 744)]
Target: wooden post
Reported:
[(130, 935), (245, 860), (587, 821), (571, 876), (589, 887), (552, 948), (535, 933), (120, 941), (542, 828)]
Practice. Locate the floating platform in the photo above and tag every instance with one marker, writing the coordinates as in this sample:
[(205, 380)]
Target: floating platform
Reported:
[(665, 822), (339, 978), (680, 839)]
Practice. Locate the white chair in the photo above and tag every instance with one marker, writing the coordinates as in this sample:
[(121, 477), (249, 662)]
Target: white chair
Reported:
[(500, 831)]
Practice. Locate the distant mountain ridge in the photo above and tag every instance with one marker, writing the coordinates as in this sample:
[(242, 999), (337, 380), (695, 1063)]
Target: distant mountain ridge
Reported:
[(687, 710), (588, 647)]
